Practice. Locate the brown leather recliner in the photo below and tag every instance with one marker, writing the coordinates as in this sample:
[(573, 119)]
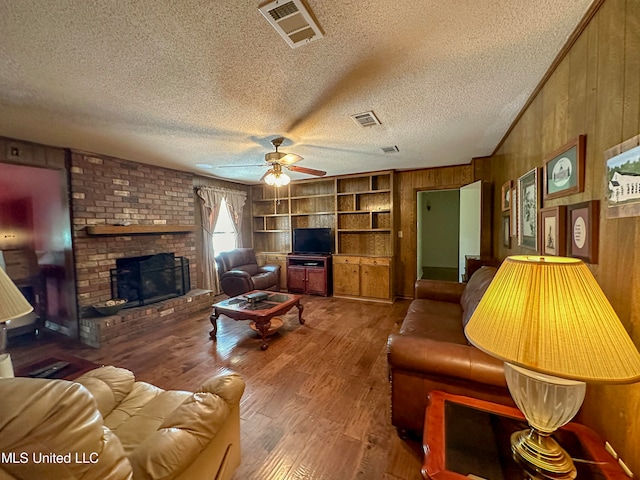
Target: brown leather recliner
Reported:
[(431, 352), (239, 273)]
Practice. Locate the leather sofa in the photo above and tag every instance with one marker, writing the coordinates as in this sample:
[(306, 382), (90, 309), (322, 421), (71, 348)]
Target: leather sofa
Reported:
[(239, 273), (430, 352), (104, 424)]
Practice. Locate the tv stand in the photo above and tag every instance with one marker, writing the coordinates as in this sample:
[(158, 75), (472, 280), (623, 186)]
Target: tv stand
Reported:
[(310, 274)]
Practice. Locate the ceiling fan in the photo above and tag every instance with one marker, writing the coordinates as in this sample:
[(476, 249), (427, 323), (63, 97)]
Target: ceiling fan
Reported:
[(275, 176)]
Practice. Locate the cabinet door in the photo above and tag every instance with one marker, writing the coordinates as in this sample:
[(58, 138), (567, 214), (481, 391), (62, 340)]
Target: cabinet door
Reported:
[(317, 281), (296, 279), (375, 278), (346, 278)]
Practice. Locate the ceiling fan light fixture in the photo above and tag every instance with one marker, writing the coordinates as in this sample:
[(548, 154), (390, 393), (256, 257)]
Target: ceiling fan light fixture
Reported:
[(277, 179)]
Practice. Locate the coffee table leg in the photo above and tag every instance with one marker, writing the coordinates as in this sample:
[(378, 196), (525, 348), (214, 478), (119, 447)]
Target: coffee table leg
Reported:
[(214, 321), (300, 309), (263, 328)]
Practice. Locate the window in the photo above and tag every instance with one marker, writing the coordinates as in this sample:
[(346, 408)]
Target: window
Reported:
[(224, 236)]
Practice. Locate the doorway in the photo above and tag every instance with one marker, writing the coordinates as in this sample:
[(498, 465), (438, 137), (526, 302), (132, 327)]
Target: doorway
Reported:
[(438, 232), (35, 243), (448, 229)]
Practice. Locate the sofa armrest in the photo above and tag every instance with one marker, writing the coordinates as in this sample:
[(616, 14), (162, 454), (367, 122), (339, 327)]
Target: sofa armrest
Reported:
[(187, 430), (239, 274), (270, 268), (436, 358), (227, 384), (440, 290)]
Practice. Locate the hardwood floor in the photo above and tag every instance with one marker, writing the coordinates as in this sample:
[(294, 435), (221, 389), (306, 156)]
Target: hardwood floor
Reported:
[(316, 405)]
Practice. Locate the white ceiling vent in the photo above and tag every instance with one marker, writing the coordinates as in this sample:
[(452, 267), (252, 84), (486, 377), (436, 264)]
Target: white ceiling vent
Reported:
[(366, 119), (393, 149), (293, 21)]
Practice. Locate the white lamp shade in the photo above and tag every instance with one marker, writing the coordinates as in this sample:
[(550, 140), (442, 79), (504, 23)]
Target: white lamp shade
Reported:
[(549, 315), (12, 302)]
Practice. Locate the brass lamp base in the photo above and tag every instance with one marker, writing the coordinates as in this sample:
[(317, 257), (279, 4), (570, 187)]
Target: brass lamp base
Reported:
[(541, 456)]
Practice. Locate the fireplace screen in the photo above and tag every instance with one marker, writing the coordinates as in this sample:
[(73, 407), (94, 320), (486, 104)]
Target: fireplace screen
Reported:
[(150, 278)]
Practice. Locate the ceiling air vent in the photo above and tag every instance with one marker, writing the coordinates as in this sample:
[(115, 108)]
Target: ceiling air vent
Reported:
[(293, 21), (366, 119), (393, 149)]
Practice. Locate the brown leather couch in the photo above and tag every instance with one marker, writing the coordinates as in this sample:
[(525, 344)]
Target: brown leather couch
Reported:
[(107, 425), (431, 352), (239, 272)]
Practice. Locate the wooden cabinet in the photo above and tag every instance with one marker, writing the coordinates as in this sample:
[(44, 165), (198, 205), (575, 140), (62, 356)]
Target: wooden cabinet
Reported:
[(359, 211), (364, 277), (310, 274), (346, 276)]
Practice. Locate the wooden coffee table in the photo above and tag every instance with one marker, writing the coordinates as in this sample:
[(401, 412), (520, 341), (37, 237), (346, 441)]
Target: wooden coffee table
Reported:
[(261, 313)]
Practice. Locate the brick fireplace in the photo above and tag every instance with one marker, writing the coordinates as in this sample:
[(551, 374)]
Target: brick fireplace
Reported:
[(108, 191)]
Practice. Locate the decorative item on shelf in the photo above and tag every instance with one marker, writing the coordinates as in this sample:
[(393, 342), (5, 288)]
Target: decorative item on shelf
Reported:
[(12, 305), (110, 307), (550, 322)]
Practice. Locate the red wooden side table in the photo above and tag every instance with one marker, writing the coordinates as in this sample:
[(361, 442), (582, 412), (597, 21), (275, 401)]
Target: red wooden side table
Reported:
[(464, 436)]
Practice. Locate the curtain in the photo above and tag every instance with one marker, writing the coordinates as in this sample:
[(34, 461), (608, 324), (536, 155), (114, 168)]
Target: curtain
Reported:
[(235, 202), (210, 201)]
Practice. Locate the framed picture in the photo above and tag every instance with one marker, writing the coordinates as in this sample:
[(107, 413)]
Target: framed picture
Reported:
[(506, 196), (553, 231), (564, 169), (623, 179), (583, 223), (506, 230), (528, 203), (514, 212)]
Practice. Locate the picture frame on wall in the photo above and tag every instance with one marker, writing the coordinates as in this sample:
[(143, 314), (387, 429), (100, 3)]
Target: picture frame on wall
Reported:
[(582, 227), (622, 189), (528, 204), (553, 231), (506, 196), (506, 230), (513, 213), (564, 169)]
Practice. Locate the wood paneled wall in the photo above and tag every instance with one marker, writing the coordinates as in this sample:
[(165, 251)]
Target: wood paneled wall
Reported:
[(595, 90), (407, 185)]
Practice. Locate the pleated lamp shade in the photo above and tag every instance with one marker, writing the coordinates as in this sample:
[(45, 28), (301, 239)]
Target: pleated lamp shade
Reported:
[(548, 314), (12, 302)]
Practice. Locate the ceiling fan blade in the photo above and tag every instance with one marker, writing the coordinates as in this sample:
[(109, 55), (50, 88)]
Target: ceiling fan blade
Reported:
[(241, 166), (308, 171), (289, 158)]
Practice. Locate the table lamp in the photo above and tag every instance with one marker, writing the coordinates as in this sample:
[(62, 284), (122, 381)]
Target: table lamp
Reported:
[(12, 305), (550, 322)]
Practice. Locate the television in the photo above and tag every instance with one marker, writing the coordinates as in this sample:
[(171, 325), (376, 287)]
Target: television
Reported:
[(312, 241)]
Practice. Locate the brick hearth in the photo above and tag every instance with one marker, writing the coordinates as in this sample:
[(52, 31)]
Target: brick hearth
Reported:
[(130, 322)]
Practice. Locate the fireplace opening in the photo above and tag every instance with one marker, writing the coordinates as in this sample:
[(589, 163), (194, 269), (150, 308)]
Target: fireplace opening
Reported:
[(150, 278)]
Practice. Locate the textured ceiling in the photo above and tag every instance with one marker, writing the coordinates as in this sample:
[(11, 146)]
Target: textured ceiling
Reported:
[(180, 82)]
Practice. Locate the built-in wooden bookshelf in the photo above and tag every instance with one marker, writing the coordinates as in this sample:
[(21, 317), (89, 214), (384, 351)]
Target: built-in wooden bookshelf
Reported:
[(358, 209)]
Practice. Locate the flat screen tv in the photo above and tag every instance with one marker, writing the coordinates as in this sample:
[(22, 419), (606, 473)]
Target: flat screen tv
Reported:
[(307, 241)]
